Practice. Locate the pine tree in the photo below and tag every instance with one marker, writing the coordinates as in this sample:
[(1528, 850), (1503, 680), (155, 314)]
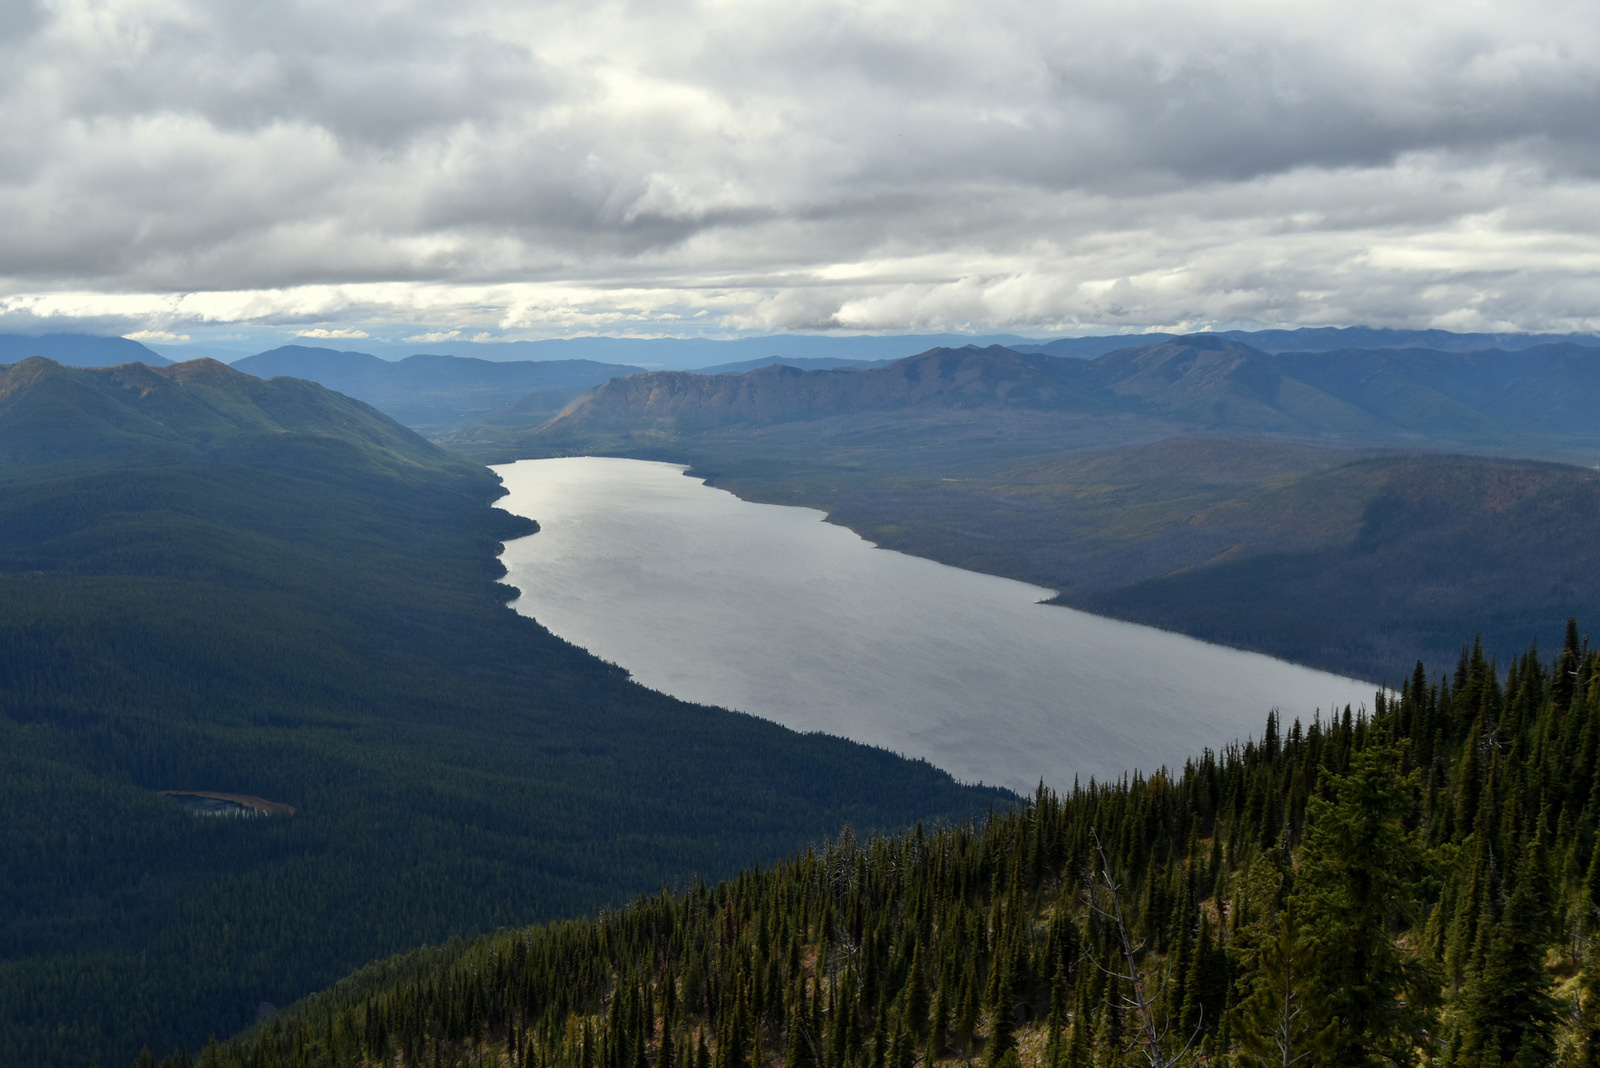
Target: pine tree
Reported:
[(666, 1053), (903, 1047), (1564, 686), (797, 1051), (1359, 872), (1588, 1024), (967, 1015), (1003, 1017), (938, 1023), (916, 995), (1060, 1015), (1080, 1045), (1508, 1014), (1274, 1026)]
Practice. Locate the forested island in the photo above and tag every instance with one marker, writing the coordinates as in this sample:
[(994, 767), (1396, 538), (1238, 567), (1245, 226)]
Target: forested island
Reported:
[(1421, 885)]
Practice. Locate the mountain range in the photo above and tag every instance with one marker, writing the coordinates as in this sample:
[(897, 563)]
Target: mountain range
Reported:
[(1319, 381), (77, 350), (430, 392), (687, 353), (1541, 395), (1316, 339)]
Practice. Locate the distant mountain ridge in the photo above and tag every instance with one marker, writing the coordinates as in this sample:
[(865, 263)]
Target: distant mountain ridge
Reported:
[(1553, 388), (804, 363), (1200, 381), (780, 393), (430, 391), (687, 353), (1407, 377), (1208, 380), (1315, 339), (691, 353), (77, 350)]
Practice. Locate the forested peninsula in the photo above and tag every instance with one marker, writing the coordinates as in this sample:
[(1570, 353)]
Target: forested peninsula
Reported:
[(1420, 885)]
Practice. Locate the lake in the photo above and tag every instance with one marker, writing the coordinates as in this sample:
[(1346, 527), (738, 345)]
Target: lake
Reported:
[(772, 611)]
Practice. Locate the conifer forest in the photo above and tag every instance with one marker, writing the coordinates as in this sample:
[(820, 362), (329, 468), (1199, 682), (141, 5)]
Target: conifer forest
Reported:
[(1414, 885)]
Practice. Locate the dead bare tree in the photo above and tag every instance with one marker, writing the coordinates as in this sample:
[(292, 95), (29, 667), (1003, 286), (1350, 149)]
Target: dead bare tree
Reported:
[(1102, 894)]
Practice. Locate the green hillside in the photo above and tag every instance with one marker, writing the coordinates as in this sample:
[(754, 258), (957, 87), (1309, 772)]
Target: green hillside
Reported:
[(1417, 887), (134, 413), (1425, 543), (213, 583)]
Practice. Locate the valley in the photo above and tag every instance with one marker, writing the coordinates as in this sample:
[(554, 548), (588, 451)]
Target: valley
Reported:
[(269, 590), (264, 589)]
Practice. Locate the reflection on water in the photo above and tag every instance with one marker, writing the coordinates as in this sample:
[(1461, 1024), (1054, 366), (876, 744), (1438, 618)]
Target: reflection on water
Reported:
[(772, 611)]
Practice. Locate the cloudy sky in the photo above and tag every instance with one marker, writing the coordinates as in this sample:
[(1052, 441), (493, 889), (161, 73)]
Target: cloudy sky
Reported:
[(521, 168)]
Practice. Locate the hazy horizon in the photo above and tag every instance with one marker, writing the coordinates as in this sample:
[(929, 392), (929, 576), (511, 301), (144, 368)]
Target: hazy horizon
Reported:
[(691, 351)]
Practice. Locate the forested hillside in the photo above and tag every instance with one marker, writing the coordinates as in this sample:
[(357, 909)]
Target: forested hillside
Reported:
[(1533, 402), (1419, 886), (211, 583)]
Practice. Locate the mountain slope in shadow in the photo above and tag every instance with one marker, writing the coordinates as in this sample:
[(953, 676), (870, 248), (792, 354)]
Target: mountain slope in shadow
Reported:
[(214, 584)]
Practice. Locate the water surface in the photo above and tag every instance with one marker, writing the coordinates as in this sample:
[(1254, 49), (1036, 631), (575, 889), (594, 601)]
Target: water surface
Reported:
[(772, 611)]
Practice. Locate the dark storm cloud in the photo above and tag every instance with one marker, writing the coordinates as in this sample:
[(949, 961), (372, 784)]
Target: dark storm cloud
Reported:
[(880, 165)]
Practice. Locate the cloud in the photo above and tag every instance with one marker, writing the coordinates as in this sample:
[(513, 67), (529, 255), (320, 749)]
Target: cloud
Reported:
[(324, 332), (425, 168)]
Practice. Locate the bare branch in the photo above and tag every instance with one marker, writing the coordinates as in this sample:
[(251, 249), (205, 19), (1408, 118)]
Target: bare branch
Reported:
[(1152, 1034)]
